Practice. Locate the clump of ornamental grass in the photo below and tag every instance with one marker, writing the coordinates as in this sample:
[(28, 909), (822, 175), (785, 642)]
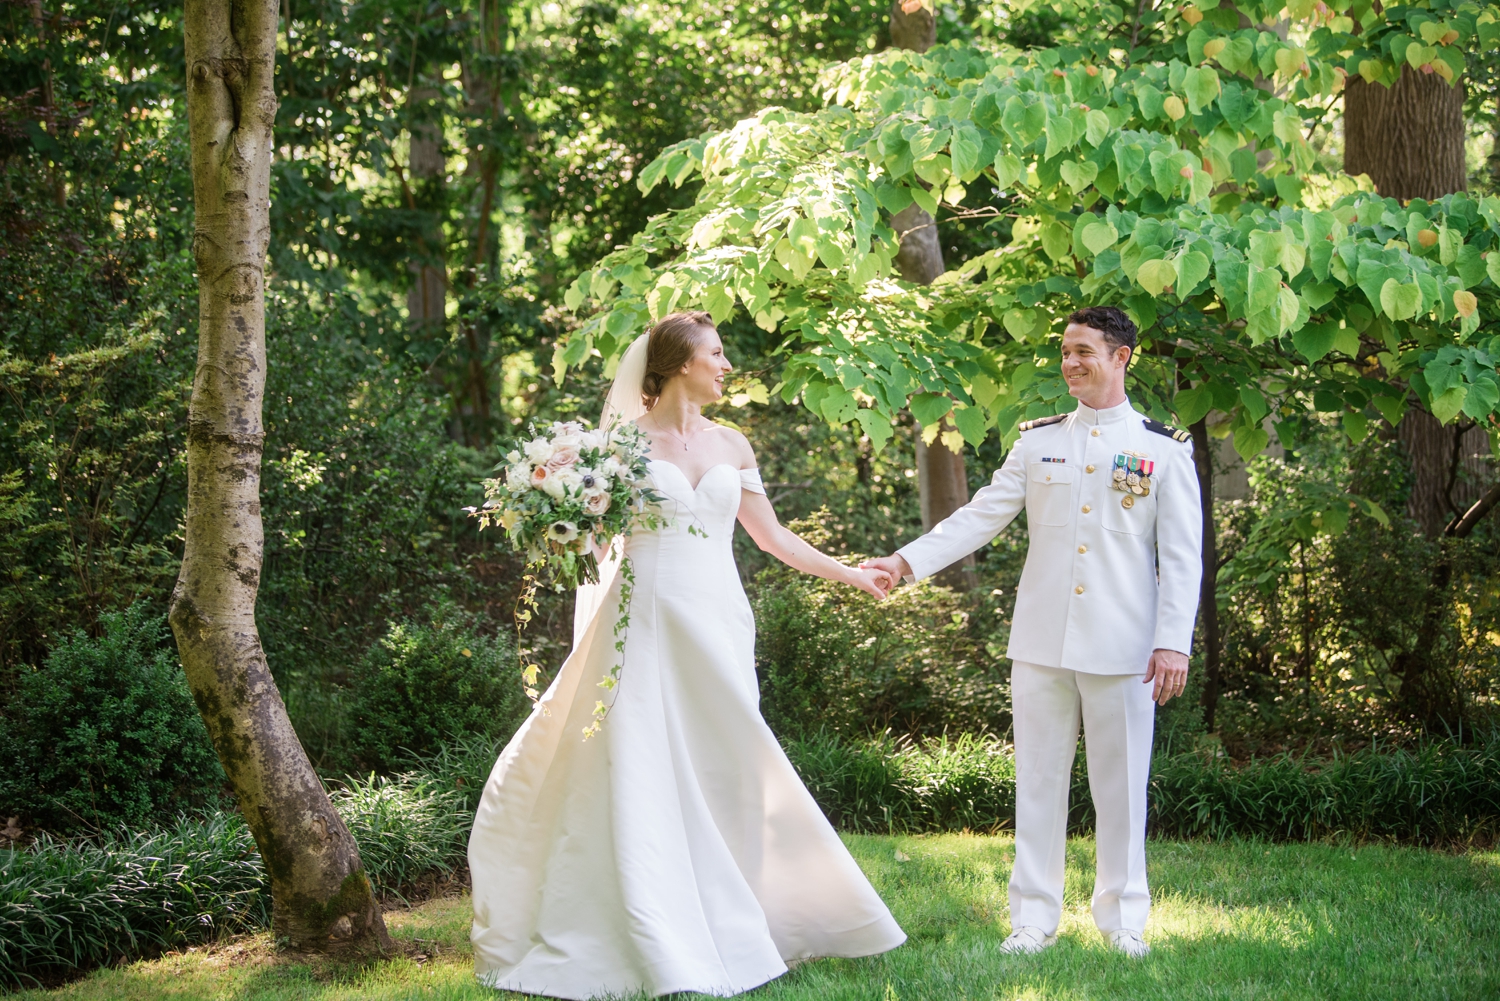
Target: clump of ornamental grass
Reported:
[(65, 907)]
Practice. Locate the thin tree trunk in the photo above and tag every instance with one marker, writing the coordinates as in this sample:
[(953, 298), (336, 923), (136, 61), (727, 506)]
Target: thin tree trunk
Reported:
[(320, 894), (1409, 138), (426, 300), (942, 480), (1208, 594)]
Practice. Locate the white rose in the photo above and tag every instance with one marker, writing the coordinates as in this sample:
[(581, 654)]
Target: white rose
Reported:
[(569, 479), (591, 440), (553, 486), (539, 450), (513, 457)]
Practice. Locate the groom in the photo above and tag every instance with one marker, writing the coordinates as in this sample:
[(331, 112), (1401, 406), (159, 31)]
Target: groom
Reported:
[(1102, 626)]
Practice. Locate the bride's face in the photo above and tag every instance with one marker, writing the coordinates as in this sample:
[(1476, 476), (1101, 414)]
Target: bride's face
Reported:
[(702, 378)]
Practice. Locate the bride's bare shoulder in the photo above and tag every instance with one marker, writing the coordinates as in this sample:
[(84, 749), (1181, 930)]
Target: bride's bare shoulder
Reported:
[(736, 443)]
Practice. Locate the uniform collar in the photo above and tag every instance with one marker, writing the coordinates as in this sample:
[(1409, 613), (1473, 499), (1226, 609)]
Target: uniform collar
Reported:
[(1110, 415)]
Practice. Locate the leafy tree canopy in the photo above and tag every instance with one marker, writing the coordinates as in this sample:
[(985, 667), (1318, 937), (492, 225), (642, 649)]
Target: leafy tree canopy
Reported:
[(1180, 186)]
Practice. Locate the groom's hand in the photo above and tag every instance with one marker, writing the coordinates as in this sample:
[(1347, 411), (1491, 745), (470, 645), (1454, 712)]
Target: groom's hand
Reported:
[(1167, 674), (894, 564)]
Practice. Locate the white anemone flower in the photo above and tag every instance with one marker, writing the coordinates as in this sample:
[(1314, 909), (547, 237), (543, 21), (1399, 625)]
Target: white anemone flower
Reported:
[(562, 532)]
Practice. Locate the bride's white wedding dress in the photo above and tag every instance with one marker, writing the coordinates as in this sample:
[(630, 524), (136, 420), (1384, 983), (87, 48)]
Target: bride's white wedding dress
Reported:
[(677, 850)]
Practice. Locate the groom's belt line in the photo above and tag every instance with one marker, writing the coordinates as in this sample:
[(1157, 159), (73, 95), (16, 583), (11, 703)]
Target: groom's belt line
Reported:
[(1041, 422)]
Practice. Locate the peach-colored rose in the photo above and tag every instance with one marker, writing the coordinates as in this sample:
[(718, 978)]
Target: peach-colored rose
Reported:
[(596, 503), (539, 475), (564, 457)]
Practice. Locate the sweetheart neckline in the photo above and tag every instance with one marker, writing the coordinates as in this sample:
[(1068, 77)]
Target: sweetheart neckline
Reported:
[(694, 486)]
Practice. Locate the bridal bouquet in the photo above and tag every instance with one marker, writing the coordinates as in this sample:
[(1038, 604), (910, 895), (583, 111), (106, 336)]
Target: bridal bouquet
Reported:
[(568, 490)]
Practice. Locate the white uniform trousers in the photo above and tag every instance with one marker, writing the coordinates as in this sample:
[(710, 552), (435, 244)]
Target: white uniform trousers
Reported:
[(1118, 716)]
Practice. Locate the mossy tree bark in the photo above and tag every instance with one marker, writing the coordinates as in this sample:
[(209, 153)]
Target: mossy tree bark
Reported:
[(942, 480), (321, 896)]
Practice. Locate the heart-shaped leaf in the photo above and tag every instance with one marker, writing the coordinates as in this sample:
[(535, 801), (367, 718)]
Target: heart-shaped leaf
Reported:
[(1154, 276), (929, 408), (1007, 170), (1097, 128), (1449, 404), (1057, 240), (1464, 303), (1099, 236), (1201, 84), (1079, 174), (1400, 301), (1192, 405), (1192, 268)]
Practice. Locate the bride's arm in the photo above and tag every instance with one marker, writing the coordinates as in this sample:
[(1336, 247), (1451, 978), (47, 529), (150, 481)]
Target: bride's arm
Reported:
[(759, 519)]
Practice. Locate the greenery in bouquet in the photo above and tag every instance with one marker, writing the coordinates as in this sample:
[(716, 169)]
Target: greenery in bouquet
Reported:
[(567, 493)]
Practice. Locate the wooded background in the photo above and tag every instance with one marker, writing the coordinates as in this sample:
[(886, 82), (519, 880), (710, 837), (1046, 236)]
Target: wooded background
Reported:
[(468, 209)]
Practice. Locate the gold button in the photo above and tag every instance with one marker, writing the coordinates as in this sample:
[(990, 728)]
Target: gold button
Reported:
[(1049, 479), (1087, 509), (1083, 549), (1127, 502), (1095, 432), (1088, 469), (1078, 589)]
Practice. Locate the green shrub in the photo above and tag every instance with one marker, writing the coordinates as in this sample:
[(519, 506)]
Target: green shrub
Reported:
[(105, 732), (463, 764), (406, 827), (66, 907), (430, 681), (1438, 792), (920, 662)]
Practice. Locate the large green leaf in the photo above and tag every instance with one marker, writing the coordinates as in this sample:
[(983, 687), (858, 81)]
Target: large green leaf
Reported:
[(1400, 301), (929, 408)]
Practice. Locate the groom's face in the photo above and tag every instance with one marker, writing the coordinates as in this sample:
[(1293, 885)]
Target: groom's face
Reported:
[(1092, 366)]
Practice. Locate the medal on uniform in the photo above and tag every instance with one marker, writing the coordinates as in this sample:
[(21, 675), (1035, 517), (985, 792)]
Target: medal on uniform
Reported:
[(1132, 474)]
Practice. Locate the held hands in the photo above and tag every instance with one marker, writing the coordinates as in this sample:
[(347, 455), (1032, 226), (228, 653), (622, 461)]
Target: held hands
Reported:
[(1167, 673), (871, 581), (894, 566)]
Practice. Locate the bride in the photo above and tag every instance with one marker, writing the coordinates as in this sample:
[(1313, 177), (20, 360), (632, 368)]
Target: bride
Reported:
[(677, 850)]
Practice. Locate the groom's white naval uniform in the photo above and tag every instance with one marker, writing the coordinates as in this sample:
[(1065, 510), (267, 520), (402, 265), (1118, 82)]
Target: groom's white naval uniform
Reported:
[(1110, 576)]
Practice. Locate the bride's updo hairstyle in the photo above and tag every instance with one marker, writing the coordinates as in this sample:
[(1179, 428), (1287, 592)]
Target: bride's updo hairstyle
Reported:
[(674, 339)]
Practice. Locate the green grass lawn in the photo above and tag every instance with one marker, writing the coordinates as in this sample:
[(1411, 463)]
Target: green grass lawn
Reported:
[(1231, 921)]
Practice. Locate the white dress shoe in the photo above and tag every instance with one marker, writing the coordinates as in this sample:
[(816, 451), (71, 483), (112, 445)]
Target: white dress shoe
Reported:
[(1027, 938), (1129, 942)]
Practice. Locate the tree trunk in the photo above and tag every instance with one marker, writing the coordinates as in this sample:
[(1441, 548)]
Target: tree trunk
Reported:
[(1208, 590), (1448, 464), (426, 300), (321, 897), (1409, 138), (942, 480)]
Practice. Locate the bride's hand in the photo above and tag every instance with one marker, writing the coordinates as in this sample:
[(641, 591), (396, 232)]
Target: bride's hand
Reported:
[(873, 581)]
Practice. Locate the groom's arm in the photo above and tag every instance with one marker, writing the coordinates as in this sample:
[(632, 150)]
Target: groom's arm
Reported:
[(973, 525), (1179, 553)]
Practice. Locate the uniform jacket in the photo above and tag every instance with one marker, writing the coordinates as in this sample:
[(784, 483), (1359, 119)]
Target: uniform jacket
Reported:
[(1107, 579)]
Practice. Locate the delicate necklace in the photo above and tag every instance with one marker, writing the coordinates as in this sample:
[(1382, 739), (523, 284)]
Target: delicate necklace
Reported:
[(679, 437)]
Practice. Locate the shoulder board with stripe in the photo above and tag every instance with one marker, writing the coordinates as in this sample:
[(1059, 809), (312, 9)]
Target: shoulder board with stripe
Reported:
[(1041, 422), (1176, 434)]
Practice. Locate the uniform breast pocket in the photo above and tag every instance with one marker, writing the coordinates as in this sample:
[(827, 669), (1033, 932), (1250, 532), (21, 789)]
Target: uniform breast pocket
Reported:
[(1049, 494), (1128, 514)]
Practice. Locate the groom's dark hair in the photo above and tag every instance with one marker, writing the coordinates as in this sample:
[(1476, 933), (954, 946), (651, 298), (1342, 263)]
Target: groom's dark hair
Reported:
[(1110, 321)]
